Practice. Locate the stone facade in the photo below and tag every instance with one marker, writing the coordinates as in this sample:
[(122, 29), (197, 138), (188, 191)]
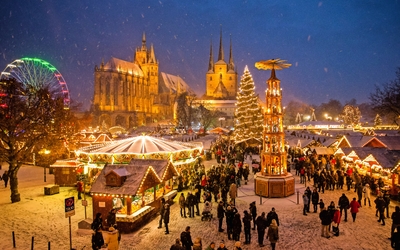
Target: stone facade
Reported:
[(131, 94)]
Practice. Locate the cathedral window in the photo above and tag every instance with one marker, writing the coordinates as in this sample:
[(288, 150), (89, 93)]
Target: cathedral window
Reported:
[(210, 78), (230, 78)]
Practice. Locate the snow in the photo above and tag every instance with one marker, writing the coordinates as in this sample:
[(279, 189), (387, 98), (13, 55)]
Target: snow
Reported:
[(43, 218)]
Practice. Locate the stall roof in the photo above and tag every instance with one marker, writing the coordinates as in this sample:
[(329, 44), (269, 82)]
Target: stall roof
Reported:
[(386, 158), (66, 163), (138, 145), (142, 172), (322, 150)]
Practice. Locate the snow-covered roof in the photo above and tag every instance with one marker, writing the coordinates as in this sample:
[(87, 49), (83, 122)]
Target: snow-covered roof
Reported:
[(139, 145), (116, 64), (175, 83)]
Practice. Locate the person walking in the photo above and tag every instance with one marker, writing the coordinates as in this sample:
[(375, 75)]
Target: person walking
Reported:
[(190, 201), (367, 194), (230, 213), (79, 188), (186, 239), (308, 193), (380, 206), (253, 212), (247, 227), (233, 192), (325, 222), (344, 205), (354, 205), (272, 215), (220, 215), (166, 217), (305, 203), (182, 204), (162, 210), (5, 177), (97, 222), (273, 234), (261, 226)]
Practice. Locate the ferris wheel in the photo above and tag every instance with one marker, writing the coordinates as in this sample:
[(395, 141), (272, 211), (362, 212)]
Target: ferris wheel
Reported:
[(37, 73)]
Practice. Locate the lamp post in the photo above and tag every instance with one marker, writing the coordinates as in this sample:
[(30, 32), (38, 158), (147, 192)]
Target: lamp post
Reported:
[(45, 152)]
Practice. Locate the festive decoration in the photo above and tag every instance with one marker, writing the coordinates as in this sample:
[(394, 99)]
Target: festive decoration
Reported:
[(248, 113)]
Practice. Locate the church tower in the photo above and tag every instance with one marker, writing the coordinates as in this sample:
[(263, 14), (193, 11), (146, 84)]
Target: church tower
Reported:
[(221, 77)]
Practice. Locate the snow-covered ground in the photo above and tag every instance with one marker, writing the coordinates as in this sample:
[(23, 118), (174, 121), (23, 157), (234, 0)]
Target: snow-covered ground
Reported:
[(43, 218)]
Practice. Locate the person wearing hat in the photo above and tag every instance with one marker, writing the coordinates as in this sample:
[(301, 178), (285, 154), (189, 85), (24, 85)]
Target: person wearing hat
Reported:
[(222, 246), (186, 239), (247, 226), (367, 194), (111, 239), (237, 246)]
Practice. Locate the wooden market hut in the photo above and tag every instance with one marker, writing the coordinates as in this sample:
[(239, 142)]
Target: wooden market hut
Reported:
[(134, 189), (66, 172)]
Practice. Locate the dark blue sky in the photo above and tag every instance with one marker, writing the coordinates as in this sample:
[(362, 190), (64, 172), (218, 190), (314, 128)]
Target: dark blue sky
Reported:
[(339, 49)]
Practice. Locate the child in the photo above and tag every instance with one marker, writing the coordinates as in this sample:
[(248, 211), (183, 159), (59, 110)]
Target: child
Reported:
[(321, 205)]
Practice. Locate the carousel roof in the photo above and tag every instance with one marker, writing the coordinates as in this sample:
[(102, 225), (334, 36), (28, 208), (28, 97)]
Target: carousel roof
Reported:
[(138, 145)]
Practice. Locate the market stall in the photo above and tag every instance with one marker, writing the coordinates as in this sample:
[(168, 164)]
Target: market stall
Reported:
[(134, 189), (66, 172)]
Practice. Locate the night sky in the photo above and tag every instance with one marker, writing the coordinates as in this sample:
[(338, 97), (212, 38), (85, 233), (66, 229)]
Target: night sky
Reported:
[(339, 49)]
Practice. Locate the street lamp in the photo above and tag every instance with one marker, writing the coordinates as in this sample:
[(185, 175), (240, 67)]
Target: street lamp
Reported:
[(45, 152)]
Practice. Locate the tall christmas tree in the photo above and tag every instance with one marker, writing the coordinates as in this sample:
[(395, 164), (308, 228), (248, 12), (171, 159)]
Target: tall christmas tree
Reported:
[(248, 113)]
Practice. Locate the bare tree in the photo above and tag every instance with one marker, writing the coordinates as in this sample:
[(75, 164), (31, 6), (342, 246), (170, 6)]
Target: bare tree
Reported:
[(386, 99), (28, 118)]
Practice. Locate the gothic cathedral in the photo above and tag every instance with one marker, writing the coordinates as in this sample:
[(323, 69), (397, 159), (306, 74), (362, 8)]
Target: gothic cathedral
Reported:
[(131, 94)]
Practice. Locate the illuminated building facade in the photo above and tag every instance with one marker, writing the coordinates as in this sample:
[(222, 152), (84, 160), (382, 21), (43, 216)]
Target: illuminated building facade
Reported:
[(131, 94)]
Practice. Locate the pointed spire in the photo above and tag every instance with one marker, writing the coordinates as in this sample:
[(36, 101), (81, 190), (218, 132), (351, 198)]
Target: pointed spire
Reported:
[(221, 49), (211, 62), (231, 63), (144, 41), (273, 75), (152, 58)]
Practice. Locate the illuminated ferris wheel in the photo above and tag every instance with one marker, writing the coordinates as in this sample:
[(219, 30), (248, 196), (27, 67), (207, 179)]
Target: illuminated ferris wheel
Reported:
[(37, 73)]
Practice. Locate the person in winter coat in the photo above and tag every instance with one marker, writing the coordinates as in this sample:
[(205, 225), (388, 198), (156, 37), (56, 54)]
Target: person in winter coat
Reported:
[(315, 199), (395, 239), (162, 210), (261, 222), (220, 215), (273, 234), (236, 227), (166, 217), (247, 226), (190, 201), (253, 212), (197, 244), (344, 205), (325, 222), (237, 246), (354, 205), (111, 239), (367, 194), (97, 222), (177, 245), (395, 219), (97, 239), (308, 193), (233, 192), (272, 215), (380, 206), (336, 222), (112, 217), (186, 239), (5, 177), (211, 246), (79, 188), (305, 203), (230, 214), (182, 204)]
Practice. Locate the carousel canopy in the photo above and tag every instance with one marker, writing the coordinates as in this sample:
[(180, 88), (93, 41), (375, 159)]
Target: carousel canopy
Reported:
[(138, 145)]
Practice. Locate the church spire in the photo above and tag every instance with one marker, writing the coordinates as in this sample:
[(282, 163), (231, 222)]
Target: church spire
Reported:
[(221, 49), (231, 63), (211, 62), (152, 58), (144, 41)]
